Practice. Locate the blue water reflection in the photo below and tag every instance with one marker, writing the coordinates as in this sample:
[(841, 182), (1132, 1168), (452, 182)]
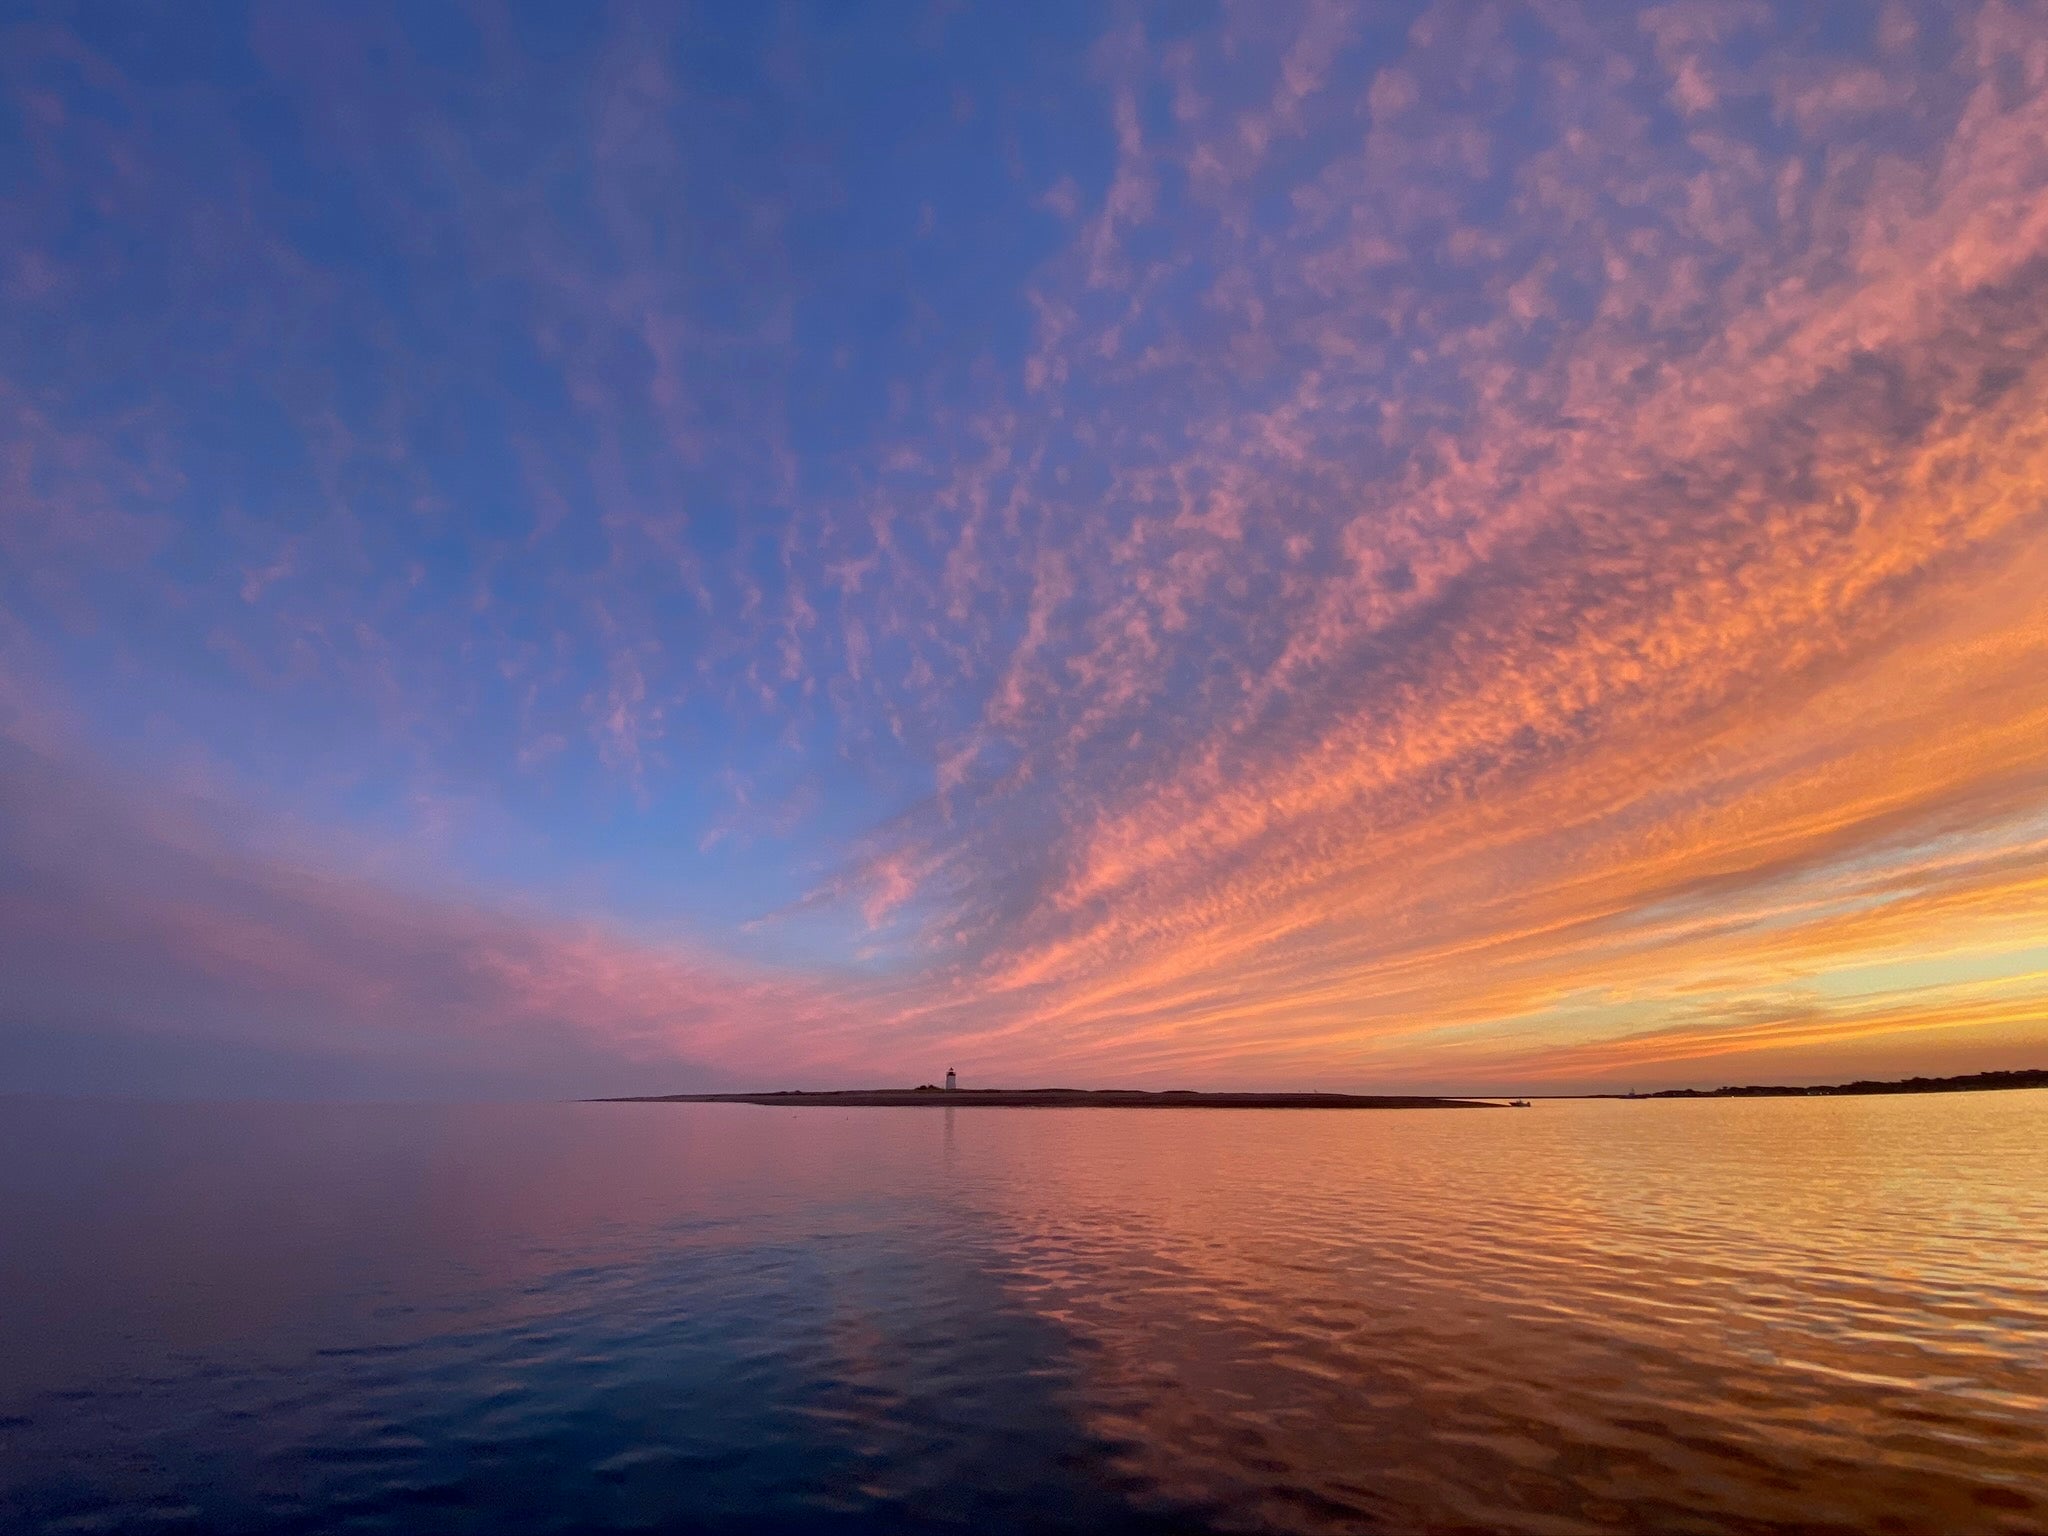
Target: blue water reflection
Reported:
[(1591, 1317)]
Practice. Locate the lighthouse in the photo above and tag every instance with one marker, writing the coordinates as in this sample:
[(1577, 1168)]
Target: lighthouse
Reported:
[(951, 1082)]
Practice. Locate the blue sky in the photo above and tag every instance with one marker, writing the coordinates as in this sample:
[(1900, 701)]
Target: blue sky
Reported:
[(1232, 544)]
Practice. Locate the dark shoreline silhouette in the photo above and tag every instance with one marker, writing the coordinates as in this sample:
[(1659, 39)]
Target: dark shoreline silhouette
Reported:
[(929, 1096), (1974, 1082), (1052, 1098)]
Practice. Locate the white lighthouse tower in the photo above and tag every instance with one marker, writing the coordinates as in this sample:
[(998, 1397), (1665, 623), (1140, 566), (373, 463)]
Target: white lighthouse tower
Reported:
[(951, 1081)]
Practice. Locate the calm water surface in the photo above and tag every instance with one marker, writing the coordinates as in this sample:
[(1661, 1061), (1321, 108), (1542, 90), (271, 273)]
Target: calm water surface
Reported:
[(1768, 1316)]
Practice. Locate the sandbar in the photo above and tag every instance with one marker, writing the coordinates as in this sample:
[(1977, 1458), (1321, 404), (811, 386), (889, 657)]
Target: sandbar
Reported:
[(1050, 1098)]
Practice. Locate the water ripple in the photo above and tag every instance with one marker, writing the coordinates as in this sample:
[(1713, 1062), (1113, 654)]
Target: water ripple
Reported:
[(1694, 1317)]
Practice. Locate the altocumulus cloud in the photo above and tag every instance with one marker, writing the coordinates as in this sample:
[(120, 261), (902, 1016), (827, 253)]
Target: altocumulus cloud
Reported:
[(1435, 544)]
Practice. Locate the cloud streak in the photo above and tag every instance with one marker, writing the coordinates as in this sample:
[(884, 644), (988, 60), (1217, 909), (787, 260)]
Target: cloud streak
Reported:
[(141, 932), (1387, 545)]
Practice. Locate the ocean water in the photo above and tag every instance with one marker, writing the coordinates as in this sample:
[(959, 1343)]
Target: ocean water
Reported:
[(1781, 1315)]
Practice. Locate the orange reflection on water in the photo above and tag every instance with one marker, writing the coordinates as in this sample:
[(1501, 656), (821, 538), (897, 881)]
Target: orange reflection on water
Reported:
[(1591, 1316)]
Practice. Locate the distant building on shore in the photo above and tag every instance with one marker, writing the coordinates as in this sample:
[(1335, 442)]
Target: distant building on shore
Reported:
[(951, 1082)]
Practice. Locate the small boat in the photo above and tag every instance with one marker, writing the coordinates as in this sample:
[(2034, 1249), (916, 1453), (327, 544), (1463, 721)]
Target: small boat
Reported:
[(1518, 1103)]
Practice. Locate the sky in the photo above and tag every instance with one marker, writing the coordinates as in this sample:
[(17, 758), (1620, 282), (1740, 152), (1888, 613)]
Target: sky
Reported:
[(560, 549)]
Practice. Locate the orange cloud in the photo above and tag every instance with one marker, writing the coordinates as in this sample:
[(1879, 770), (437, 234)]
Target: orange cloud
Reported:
[(1646, 700), (1493, 555)]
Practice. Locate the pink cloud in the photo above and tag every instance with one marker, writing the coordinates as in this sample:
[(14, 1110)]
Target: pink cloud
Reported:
[(147, 914)]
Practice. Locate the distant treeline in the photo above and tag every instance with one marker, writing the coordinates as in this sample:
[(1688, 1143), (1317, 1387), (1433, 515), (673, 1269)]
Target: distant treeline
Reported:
[(1974, 1082)]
